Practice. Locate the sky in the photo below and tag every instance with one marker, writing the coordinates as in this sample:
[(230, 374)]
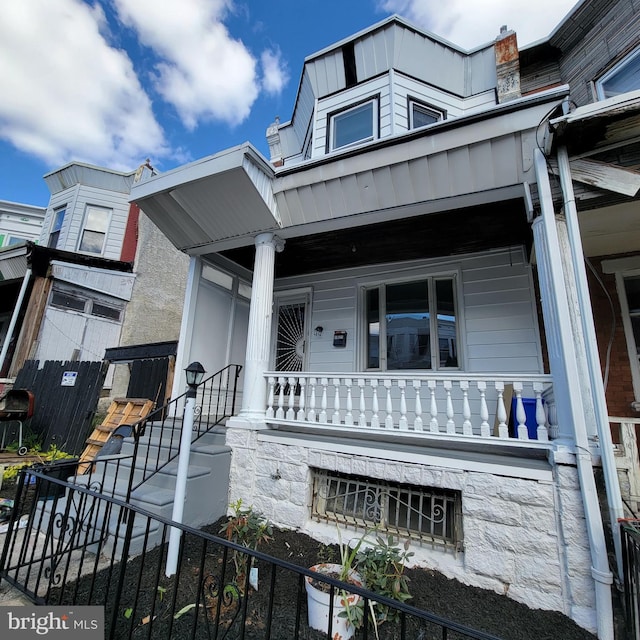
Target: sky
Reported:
[(114, 82)]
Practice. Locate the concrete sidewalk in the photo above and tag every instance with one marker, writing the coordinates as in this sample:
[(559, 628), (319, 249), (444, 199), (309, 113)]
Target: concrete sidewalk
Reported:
[(11, 597)]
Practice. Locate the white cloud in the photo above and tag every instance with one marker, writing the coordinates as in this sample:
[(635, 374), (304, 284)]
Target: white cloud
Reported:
[(470, 23), (205, 73), (274, 73), (68, 95)]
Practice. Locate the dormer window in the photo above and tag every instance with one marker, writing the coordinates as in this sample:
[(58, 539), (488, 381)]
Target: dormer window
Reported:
[(623, 77), (354, 125), (95, 230), (58, 220), (421, 115)]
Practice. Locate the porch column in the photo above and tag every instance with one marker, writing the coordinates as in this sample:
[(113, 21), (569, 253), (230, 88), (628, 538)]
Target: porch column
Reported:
[(254, 394)]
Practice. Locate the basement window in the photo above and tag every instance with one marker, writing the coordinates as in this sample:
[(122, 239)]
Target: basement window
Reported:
[(425, 514)]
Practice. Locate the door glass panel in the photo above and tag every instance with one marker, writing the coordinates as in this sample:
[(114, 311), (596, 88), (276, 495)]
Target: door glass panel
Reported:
[(373, 329), (632, 289), (447, 332), (408, 326), (290, 338)]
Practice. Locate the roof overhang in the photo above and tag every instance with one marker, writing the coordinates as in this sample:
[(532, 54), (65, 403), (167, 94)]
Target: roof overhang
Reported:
[(13, 262), (227, 196)]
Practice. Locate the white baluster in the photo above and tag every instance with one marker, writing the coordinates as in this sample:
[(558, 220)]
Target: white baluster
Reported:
[(552, 420), (335, 418), (311, 416), (484, 410), (433, 424), (466, 409), (375, 419), (301, 412), (521, 414), (291, 413), (362, 416), (417, 423), (348, 418), (323, 400), (403, 425), (280, 410), (388, 421), (451, 425), (501, 413), (271, 397), (541, 416)]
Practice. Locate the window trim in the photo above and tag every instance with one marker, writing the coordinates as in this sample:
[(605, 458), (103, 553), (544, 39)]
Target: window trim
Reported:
[(54, 228), (454, 276), (88, 209), (375, 123), (411, 102), (88, 299), (614, 70)]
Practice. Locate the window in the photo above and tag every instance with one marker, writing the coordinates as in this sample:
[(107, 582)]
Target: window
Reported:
[(58, 219), (632, 290), (95, 230), (426, 514), (13, 240), (412, 325), (623, 77), (420, 115), (354, 125), (70, 299)]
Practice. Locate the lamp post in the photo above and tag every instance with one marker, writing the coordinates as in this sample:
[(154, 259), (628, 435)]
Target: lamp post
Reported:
[(194, 373)]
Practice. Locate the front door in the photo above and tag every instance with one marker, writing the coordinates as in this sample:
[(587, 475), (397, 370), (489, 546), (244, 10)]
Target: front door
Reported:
[(291, 333)]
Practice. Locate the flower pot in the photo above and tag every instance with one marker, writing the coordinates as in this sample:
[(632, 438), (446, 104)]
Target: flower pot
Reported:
[(318, 603)]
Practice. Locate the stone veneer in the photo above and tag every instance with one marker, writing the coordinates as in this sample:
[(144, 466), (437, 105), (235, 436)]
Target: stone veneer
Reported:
[(523, 538)]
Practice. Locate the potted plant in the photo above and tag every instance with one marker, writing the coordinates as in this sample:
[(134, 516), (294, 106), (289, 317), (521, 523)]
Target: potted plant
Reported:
[(377, 564)]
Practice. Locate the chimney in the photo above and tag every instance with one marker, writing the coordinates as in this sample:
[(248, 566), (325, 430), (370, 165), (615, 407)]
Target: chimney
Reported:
[(507, 66), (273, 139)]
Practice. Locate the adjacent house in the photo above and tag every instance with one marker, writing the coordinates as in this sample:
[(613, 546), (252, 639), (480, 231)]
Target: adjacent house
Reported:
[(99, 276), (432, 284)]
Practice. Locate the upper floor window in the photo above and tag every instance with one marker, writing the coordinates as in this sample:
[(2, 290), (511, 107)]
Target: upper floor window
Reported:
[(412, 325), (421, 115), (623, 77), (70, 299), (58, 219), (353, 125), (95, 230)]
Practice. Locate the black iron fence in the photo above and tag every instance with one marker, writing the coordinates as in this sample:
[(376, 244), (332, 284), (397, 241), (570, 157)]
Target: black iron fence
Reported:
[(630, 536), (73, 545)]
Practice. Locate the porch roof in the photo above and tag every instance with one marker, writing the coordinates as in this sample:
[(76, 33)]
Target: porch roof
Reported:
[(221, 202)]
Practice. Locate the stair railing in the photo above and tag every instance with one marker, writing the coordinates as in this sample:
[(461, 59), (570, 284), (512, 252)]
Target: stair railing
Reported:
[(215, 402)]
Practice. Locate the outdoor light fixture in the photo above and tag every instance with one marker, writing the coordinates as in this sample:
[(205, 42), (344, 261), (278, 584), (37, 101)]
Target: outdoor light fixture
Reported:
[(194, 373), (318, 331)]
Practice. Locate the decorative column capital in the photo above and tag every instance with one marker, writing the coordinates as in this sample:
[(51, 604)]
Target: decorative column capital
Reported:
[(270, 239)]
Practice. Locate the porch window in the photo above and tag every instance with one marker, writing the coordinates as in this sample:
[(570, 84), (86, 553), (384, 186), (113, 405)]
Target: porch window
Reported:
[(354, 125), (415, 321), (623, 77), (95, 230), (58, 220)]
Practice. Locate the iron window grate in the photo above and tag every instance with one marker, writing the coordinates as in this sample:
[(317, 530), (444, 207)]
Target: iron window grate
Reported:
[(425, 514)]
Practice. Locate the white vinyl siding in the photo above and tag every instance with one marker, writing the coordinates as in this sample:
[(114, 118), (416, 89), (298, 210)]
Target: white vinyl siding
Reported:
[(498, 322)]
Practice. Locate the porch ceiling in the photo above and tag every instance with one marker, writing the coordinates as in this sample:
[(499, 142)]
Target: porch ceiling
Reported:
[(465, 230)]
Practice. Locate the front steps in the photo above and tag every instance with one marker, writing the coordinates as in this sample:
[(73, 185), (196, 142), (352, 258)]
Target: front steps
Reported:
[(206, 493)]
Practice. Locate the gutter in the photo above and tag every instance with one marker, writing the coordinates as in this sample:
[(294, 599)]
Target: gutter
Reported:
[(614, 499), (602, 576)]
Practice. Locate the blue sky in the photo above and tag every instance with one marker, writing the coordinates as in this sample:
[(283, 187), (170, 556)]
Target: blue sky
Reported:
[(113, 82)]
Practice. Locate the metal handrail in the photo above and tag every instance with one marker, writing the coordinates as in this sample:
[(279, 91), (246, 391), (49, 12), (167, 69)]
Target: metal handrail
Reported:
[(216, 400)]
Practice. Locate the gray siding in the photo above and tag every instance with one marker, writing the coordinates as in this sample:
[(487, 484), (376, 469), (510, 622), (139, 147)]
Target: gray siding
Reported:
[(498, 324)]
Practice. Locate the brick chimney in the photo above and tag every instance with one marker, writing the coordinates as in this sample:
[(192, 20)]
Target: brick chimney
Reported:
[(507, 66)]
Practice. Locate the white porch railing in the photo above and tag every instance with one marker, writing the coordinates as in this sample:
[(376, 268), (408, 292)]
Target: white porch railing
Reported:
[(460, 404)]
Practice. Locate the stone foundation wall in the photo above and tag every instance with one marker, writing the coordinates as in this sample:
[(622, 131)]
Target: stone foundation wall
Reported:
[(523, 538)]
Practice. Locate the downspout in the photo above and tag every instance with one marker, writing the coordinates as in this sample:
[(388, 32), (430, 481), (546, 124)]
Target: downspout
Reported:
[(575, 413), (614, 499), (14, 316)]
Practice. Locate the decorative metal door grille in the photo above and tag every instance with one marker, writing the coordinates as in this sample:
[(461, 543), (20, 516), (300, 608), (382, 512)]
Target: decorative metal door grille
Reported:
[(291, 336), (425, 514)]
